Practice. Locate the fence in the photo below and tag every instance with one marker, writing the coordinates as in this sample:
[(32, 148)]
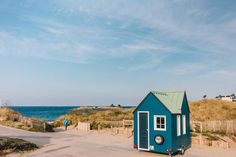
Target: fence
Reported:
[(227, 127), (124, 127), (124, 123), (113, 123), (128, 132), (83, 126), (203, 140), (128, 123)]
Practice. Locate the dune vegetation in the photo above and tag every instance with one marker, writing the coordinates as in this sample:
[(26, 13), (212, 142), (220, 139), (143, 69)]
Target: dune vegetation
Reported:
[(103, 116), (14, 145), (212, 109), (11, 118), (201, 110)]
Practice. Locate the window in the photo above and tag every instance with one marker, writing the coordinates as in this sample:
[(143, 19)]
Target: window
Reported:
[(184, 124), (159, 122), (178, 125)]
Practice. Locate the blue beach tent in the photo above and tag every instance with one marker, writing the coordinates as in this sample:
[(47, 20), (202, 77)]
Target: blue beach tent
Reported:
[(161, 123)]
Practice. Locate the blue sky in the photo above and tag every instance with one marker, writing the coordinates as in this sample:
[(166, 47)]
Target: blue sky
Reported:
[(98, 52)]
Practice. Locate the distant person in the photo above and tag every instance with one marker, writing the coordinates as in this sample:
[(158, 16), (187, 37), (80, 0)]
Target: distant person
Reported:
[(66, 123)]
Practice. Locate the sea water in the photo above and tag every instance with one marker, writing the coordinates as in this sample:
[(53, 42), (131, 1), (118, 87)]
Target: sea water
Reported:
[(48, 113)]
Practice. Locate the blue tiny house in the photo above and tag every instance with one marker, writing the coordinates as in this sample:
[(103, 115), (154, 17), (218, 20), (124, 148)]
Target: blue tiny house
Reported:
[(162, 123)]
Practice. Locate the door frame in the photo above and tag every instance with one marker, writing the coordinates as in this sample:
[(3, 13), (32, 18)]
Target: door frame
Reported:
[(147, 130)]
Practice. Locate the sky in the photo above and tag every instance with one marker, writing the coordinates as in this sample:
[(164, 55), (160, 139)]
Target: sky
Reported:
[(99, 52)]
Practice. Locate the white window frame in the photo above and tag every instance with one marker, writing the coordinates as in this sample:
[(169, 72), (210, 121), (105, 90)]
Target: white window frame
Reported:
[(178, 124), (155, 122), (184, 124)]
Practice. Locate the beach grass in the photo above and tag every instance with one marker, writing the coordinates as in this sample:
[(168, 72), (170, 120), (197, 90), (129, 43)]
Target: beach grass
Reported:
[(11, 118), (212, 109), (103, 116), (201, 110)]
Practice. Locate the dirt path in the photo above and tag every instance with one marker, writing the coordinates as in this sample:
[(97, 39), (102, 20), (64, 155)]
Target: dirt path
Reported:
[(73, 143)]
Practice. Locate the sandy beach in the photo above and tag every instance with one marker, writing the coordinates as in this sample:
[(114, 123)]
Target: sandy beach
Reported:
[(127, 78), (72, 143)]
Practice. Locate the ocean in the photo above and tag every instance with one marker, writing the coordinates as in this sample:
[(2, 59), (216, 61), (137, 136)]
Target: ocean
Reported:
[(48, 113)]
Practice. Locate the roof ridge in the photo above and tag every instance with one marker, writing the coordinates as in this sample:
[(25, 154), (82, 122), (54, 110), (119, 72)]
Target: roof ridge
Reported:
[(180, 91)]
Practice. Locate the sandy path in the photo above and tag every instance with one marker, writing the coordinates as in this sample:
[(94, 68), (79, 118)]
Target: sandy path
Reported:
[(81, 144)]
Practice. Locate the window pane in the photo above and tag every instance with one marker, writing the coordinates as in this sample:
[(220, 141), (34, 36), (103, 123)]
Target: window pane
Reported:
[(184, 124), (162, 120), (159, 122), (178, 126)]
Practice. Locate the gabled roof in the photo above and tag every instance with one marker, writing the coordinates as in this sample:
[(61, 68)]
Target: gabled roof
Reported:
[(171, 100)]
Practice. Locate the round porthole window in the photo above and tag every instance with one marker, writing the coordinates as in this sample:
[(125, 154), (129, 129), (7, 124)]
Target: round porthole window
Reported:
[(159, 139)]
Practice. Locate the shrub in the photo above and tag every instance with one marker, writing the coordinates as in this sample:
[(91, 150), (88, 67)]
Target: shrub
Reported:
[(96, 116)]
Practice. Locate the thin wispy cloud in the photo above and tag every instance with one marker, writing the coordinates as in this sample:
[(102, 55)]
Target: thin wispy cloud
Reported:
[(185, 21), (175, 24), (152, 39), (80, 43)]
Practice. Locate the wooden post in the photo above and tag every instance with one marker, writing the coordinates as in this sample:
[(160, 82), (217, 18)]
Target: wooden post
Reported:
[(99, 127), (201, 129), (234, 128), (200, 140), (132, 127), (44, 126), (227, 128), (111, 129), (227, 145), (214, 129), (123, 123)]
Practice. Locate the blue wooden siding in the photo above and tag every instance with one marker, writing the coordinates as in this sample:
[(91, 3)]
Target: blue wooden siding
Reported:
[(154, 106), (172, 141), (185, 111), (182, 140)]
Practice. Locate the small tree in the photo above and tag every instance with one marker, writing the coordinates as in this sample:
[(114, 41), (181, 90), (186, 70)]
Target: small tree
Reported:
[(112, 105)]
